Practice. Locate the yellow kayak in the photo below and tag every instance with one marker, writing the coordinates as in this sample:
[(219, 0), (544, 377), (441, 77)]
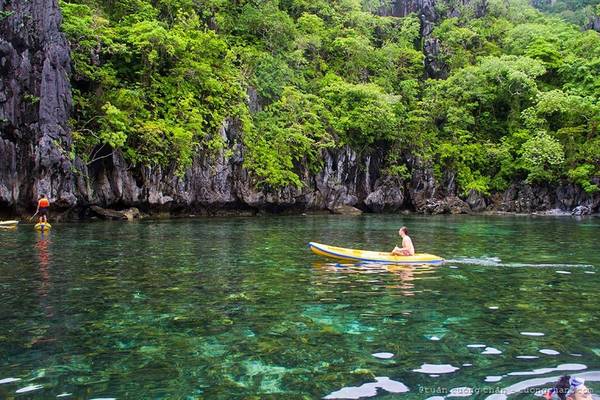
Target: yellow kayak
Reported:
[(42, 227), (341, 253)]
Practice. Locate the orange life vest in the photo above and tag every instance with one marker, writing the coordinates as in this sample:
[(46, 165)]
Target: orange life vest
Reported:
[(43, 203)]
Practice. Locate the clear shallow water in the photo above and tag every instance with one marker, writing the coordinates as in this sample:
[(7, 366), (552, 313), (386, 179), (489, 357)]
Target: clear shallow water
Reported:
[(239, 308)]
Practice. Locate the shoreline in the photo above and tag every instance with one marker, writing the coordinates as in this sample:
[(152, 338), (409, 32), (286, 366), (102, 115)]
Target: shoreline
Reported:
[(121, 215)]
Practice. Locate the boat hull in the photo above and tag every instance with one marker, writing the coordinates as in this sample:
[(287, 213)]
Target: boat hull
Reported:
[(354, 255)]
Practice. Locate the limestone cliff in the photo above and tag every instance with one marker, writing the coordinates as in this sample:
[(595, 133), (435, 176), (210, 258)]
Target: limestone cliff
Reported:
[(35, 105)]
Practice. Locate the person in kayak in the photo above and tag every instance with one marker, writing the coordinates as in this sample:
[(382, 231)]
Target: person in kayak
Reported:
[(42, 208), (407, 248)]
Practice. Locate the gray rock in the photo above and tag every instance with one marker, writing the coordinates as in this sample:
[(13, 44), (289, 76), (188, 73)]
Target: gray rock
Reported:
[(581, 210), (387, 196), (34, 83), (346, 210), (448, 205), (105, 213), (476, 201)]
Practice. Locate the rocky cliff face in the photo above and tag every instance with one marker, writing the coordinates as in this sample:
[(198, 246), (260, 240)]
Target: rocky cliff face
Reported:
[(35, 103), (35, 100)]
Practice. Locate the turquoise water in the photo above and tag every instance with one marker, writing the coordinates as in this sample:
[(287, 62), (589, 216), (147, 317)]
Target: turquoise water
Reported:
[(239, 308)]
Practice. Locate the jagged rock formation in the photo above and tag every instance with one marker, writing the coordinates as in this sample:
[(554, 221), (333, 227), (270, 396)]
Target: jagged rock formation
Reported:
[(35, 103)]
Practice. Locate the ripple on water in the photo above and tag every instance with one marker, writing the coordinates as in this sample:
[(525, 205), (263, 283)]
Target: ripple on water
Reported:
[(383, 355), (9, 380), (549, 352), (491, 350), (532, 333), (540, 371), (493, 378), (436, 369), (369, 389), (29, 388)]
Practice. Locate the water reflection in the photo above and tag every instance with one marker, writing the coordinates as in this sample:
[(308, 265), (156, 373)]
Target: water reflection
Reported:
[(42, 247), (391, 276)]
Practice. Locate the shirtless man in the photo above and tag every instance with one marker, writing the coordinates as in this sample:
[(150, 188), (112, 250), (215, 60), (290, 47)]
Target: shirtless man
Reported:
[(407, 245)]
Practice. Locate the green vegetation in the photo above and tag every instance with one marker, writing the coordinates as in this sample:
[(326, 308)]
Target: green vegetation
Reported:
[(158, 80)]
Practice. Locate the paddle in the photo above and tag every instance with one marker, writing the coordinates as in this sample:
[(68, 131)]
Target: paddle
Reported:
[(31, 218)]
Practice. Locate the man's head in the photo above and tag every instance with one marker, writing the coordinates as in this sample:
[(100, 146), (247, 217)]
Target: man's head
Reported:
[(403, 231), (42, 196)]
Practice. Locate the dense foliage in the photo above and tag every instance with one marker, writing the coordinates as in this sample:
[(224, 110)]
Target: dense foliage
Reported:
[(157, 79)]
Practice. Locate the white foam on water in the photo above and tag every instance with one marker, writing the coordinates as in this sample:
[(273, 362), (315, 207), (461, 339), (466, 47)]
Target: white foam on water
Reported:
[(563, 272), (29, 388), (531, 265), (436, 369), (383, 355), (475, 345), (467, 365), (9, 380), (104, 398), (434, 338), (491, 350), (527, 357), (463, 391), (588, 272), (549, 352), (493, 378), (497, 262), (532, 333), (435, 398), (64, 395), (493, 307), (485, 261)]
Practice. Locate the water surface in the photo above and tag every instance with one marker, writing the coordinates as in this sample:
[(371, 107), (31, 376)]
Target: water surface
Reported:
[(238, 308)]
